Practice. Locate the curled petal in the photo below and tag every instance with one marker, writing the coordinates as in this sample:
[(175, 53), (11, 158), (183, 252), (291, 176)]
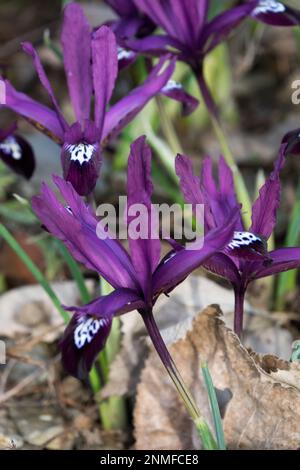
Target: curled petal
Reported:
[(81, 165), (222, 25), (276, 13), (292, 139), (155, 45), (18, 154), (176, 91), (121, 113), (125, 57), (83, 339), (283, 259), (87, 332), (248, 247)]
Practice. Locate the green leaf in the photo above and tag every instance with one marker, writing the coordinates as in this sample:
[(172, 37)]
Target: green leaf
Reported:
[(287, 281), (15, 212), (8, 237), (75, 271), (214, 407)]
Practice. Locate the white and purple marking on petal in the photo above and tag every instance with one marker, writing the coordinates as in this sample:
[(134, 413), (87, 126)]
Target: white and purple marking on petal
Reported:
[(269, 6), (242, 239), (10, 147), (172, 85), (81, 153), (124, 54), (249, 246), (86, 330), (68, 209)]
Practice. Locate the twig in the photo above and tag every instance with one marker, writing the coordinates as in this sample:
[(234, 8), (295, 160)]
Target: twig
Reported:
[(19, 387)]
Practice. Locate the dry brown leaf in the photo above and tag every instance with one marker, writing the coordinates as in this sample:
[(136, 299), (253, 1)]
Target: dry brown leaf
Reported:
[(175, 314), (260, 395)]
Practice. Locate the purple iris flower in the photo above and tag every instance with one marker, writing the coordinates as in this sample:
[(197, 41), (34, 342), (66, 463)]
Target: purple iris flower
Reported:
[(91, 66), (191, 35), (138, 278), (246, 257), (276, 13), (16, 152), (133, 23)]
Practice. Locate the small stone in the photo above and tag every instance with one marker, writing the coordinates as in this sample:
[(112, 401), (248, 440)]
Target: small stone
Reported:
[(42, 437), (63, 442), (32, 314), (38, 426), (83, 422)]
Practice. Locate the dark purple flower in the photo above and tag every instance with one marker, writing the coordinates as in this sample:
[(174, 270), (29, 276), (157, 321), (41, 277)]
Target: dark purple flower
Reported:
[(292, 141), (189, 34), (246, 257), (16, 152), (138, 278), (276, 13), (91, 66)]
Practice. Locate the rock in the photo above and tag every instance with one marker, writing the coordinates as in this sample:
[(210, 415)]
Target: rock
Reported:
[(39, 426), (9, 437), (32, 314), (16, 310)]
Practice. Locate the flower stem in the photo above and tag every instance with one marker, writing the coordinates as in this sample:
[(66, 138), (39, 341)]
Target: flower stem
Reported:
[(205, 433), (239, 297), (240, 186), (206, 94), (168, 128)]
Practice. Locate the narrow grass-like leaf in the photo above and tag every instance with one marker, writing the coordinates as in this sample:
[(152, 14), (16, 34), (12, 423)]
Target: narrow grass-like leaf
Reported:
[(287, 281), (16, 247), (214, 407), (75, 271)]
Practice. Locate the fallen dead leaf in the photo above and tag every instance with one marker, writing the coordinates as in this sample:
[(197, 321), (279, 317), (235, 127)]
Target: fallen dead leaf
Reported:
[(175, 314), (259, 395)]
